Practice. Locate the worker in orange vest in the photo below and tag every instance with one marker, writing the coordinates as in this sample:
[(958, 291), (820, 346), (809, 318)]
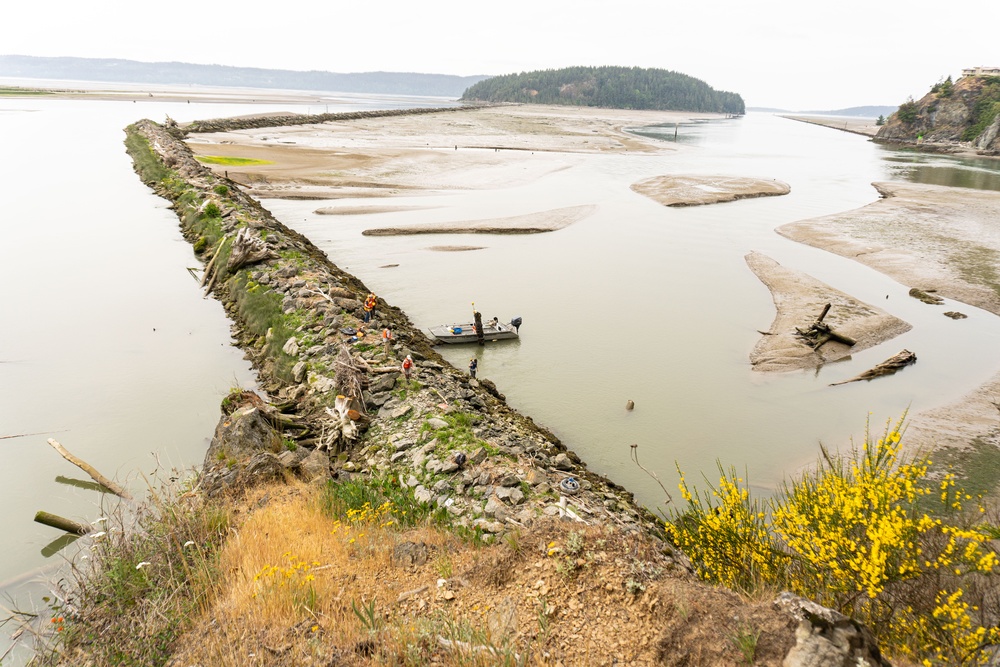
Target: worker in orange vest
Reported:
[(369, 307), (407, 366), (387, 340)]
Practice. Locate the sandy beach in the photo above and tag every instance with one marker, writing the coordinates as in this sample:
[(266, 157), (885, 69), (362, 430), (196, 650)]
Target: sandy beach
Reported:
[(929, 237)]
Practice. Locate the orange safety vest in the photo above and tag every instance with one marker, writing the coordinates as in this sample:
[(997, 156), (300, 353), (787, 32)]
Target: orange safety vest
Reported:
[(407, 364), (370, 303), (386, 334)]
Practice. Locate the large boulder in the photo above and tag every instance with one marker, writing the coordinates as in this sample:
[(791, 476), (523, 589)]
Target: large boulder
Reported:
[(240, 435), (827, 638)]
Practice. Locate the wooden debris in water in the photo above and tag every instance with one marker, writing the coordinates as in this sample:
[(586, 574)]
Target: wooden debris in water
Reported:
[(818, 333), (926, 297), (887, 367)]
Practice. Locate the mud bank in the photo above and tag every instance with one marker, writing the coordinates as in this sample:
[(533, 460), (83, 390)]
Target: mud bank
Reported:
[(798, 299), (933, 238)]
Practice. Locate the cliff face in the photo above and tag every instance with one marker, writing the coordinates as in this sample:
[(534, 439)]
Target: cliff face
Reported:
[(964, 114)]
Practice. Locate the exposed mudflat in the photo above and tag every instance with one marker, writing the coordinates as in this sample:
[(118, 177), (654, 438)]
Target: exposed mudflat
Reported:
[(531, 223), (402, 155), (933, 238), (366, 210), (686, 190), (798, 301)]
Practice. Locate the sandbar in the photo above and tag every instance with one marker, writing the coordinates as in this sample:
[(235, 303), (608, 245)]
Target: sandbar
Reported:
[(798, 300), (531, 223), (689, 190), (935, 238), (367, 210), (475, 148)]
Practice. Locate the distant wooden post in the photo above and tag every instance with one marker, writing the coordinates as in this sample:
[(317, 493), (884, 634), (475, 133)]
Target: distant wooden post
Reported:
[(478, 326), (676, 125)]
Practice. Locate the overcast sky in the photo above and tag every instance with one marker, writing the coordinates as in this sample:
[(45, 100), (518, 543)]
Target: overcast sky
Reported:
[(791, 54)]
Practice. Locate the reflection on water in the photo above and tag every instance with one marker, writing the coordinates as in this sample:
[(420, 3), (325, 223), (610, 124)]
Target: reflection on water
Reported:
[(934, 169)]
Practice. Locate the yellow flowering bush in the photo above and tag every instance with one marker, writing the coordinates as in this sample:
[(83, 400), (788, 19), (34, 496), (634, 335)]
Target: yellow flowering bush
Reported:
[(724, 532), (866, 533)]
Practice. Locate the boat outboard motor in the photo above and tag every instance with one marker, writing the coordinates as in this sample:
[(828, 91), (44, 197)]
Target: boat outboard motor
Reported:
[(516, 323)]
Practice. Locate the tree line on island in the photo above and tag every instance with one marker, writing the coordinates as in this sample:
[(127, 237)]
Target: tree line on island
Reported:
[(613, 87)]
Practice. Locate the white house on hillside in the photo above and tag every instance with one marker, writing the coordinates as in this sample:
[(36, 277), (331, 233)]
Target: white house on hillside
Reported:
[(981, 71)]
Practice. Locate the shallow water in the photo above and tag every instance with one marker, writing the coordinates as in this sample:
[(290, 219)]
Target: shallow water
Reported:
[(106, 343), (657, 305)]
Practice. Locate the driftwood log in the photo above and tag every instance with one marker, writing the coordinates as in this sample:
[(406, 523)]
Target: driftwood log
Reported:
[(818, 333), (90, 470), (248, 249), (62, 523), (887, 367)]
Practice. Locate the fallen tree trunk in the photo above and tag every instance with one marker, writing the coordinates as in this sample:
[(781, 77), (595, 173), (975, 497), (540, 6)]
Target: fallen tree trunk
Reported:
[(887, 367), (90, 470), (62, 523)]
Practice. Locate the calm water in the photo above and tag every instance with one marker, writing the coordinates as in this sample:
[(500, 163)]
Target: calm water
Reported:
[(106, 343), (108, 346), (657, 305)]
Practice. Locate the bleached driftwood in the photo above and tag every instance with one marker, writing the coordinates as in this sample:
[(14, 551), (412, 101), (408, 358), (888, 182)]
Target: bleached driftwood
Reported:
[(248, 249), (90, 470)]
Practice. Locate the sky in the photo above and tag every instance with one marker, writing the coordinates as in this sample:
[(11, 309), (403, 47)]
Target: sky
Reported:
[(788, 54)]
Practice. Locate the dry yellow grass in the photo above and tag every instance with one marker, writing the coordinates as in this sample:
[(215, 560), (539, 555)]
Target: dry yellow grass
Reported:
[(301, 587)]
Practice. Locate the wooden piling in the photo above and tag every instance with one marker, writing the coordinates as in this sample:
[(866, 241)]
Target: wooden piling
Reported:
[(478, 326)]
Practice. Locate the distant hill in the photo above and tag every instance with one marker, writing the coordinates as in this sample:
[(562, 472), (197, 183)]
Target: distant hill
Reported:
[(862, 112), (131, 71), (613, 87), (964, 112)]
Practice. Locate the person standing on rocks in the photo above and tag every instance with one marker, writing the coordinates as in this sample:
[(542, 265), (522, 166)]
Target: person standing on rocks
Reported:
[(407, 367), (473, 366), (387, 340), (369, 307)]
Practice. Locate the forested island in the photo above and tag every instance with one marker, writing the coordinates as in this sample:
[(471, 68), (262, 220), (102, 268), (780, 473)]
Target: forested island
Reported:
[(612, 87)]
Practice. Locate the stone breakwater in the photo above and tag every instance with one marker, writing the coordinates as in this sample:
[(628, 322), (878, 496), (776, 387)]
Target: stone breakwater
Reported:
[(506, 474), (285, 120)]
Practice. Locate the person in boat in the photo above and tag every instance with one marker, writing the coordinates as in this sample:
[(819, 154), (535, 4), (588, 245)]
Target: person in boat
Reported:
[(495, 323), (473, 366), (407, 367), (369, 307)]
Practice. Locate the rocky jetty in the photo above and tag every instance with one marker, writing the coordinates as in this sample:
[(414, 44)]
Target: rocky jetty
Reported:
[(507, 470)]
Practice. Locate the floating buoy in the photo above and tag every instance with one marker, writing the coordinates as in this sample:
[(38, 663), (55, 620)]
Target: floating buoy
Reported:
[(629, 405)]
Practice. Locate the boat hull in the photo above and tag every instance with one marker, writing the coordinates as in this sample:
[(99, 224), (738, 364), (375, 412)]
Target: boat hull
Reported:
[(452, 334)]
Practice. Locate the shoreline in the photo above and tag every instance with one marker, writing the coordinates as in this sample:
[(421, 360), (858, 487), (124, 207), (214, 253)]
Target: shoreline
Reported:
[(438, 155)]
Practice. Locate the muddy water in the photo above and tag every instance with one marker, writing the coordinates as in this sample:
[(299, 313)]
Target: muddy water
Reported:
[(106, 343), (656, 305)]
